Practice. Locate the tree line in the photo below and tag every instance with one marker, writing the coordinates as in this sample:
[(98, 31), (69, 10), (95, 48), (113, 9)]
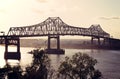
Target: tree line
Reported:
[(79, 66)]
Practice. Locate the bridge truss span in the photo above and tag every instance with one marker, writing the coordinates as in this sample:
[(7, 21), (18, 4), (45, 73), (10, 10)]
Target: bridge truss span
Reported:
[(55, 26), (52, 27)]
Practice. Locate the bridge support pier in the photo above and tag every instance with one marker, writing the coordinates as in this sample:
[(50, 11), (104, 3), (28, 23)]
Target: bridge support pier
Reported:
[(92, 40), (98, 40), (58, 41), (12, 55), (56, 50), (106, 41)]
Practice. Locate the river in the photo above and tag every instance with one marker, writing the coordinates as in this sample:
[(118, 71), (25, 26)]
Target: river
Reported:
[(108, 60)]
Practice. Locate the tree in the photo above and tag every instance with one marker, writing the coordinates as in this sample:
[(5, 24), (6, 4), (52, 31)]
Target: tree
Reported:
[(40, 66), (80, 66), (3, 72), (13, 72)]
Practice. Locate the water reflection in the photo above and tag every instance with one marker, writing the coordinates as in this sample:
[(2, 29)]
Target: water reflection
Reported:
[(25, 57), (108, 60)]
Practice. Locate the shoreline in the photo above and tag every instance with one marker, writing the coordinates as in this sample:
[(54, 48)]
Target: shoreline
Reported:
[(67, 44), (82, 47), (74, 47)]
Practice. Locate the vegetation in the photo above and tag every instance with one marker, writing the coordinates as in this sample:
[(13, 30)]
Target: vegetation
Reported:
[(40, 67), (80, 66), (10, 72), (15, 72)]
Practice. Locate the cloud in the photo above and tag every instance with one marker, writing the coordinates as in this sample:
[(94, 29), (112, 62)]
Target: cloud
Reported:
[(115, 17), (110, 18), (2, 11), (37, 11), (42, 1)]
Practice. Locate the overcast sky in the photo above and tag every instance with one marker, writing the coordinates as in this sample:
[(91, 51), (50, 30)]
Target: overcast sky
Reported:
[(81, 13)]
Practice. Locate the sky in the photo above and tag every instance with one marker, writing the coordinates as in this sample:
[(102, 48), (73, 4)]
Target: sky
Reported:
[(79, 13)]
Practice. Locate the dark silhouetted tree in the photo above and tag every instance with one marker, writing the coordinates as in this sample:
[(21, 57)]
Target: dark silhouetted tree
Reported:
[(40, 66), (80, 66), (14, 72), (3, 72)]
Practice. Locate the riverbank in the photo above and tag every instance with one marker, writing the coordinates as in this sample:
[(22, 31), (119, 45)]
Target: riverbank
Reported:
[(66, 44)]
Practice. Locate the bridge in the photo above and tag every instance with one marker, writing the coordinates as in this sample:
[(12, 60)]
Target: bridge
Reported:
[(53, 27)]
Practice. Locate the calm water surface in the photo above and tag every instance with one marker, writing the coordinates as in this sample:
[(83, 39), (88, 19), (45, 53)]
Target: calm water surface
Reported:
[(108, 60)]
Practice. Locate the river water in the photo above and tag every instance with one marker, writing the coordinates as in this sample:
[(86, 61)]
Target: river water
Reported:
[(108, 60)]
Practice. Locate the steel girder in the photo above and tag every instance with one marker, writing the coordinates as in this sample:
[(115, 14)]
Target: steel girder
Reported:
[(55, 26)]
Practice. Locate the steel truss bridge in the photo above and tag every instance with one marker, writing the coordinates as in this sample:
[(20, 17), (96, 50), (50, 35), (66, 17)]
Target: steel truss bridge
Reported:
[(53, 27)]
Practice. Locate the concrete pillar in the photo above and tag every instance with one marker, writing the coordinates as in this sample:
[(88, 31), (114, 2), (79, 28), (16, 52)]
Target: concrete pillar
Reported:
[(92, 40), (58, 42), (10, 54), (18, 45), (18, 48), (6, 45), (48, 42), (105, 41), (99, 41)]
